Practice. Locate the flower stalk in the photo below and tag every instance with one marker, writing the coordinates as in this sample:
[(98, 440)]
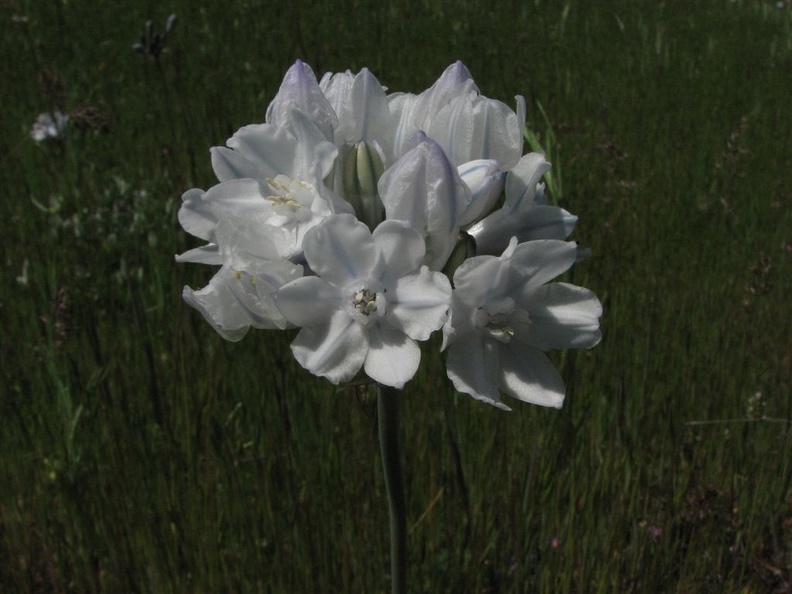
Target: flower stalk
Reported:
[(388, 421), (347, 213)]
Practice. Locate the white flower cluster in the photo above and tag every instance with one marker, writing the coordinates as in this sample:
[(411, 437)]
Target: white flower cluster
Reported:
[(344, 213)]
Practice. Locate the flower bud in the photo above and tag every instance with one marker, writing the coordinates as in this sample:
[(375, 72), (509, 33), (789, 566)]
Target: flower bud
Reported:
[(362, 170), (485, 180)]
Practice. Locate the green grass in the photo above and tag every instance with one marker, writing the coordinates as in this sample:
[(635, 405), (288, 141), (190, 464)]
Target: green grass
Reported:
[(142, 453)]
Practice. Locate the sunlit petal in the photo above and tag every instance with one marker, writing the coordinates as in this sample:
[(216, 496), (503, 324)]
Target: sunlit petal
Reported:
[(538, 222), (393, 357), (259, 151), (402, 248), (341, 250), (418, 304), (542, 260), (562, 316), (300, 90), (528, 375)]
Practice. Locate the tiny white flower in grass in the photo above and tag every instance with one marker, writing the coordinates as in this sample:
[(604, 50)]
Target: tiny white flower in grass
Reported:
[(49, 126), (368, 305), (504, 315)]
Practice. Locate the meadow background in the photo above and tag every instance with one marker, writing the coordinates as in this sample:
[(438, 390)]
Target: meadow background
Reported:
[(142, 453)]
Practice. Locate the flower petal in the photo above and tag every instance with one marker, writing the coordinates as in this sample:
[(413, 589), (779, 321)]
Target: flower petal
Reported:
[(238, 197), (301, 90), (528, 375), (484, 179), (418, 304), (245, 242), (402, 248), (314, 156), (424, 189), (337, 87), (461, 321), (472, 367), (218, 307), (207, 254), (472, 127), (480, 279), (393, 358), (562, 316), (196, 216), (455, 80), (259, 151), (233, 301), (361, 105), (521, 181), (335, 351), (341, 250), (309, 301), (540, 261), (538, 222)]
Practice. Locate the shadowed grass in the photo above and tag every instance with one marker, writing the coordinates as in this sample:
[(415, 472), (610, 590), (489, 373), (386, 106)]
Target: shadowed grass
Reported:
[(142, 453)]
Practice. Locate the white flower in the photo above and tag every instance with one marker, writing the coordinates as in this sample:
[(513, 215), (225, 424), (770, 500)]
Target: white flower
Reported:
[(339, 135), (424, 189), (49, 126), (411, 113), (474, 127), (504, 315), (363, 138), (234, 300), (269, 175), (369, 303), (468, 125), (424, 173), (525, 214), (241, 293)]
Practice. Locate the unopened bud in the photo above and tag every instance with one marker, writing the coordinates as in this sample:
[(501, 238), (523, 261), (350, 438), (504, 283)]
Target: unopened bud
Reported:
[(362, 170), (485, 180)]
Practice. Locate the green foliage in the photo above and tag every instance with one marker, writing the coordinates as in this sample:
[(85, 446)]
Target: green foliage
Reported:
[(141, 453)]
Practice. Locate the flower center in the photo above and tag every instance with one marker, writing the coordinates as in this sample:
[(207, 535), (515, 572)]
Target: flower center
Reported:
[(498, 327), (501, 325), (365, 301), (291, 199), (367, 304)]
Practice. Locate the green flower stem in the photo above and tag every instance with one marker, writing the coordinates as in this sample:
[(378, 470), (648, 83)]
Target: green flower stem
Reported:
[(388, 409)]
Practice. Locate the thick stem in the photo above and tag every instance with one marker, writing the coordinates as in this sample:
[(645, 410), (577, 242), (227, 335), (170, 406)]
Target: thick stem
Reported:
[(388, 409)]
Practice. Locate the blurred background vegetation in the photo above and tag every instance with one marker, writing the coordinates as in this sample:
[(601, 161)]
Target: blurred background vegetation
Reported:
[(142, 453)]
